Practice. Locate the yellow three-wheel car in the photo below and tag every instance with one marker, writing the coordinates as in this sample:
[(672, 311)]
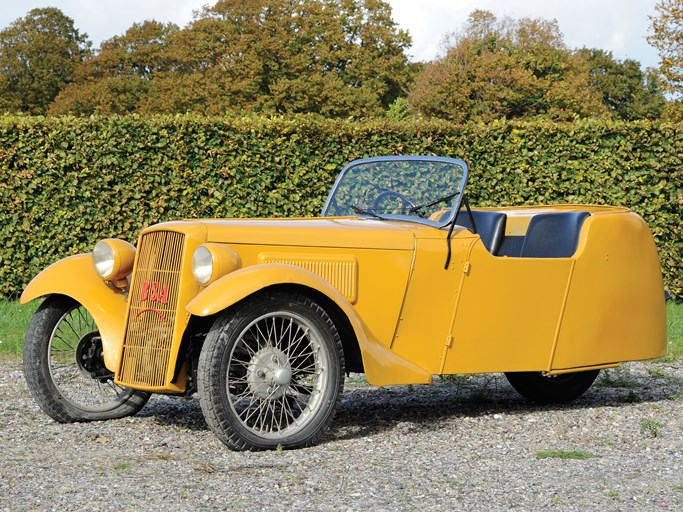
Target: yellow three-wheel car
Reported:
[(398, 279)]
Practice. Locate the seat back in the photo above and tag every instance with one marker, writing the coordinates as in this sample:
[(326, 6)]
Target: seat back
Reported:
[(490, 227), (553, 235)]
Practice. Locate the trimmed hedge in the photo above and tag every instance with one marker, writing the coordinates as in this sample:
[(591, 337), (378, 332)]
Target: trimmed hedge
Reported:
[(67, 182)]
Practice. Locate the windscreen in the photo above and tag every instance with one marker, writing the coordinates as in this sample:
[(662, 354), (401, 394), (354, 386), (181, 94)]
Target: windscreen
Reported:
[(425, 190)]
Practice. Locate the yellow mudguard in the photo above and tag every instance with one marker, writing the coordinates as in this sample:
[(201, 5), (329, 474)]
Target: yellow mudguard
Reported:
[(75, 277)]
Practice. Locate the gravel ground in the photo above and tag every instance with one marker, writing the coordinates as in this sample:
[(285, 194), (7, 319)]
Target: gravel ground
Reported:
[(462, 444)]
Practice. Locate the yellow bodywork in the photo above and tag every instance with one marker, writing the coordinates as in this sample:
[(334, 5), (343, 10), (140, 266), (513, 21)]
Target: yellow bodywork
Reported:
[(75, 277), (413, 318)]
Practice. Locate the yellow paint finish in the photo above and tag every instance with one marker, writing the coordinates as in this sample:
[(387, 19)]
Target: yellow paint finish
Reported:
[(583, 369), (507, 313), (75, 277), (427, 313), (382, 367), (332, 232), (339, 270), (411, 317), (615, 309), (382, 279)]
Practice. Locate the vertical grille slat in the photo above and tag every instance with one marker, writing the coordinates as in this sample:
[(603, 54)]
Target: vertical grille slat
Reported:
[(152, 310)]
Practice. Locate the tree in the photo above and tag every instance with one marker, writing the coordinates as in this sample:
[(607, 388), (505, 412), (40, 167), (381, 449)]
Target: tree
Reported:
[(337, 58), (334, 57), (38, 57), (506, 69), (627, 91), (119, 79), (667, 38)]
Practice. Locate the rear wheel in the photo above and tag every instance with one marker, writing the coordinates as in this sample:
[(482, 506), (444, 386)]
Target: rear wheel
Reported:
[(540, 388), (271, 373), (64, 366)]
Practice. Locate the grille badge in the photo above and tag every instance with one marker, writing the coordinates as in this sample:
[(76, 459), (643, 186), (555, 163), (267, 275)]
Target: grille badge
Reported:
[(154, 292)]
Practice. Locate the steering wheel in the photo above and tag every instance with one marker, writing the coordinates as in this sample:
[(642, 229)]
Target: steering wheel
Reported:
[(406, 203)]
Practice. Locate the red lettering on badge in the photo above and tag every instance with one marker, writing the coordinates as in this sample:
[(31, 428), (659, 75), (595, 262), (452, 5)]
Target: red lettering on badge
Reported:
[(153, 291)]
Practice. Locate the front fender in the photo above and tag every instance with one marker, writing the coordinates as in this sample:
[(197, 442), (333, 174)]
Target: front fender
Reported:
[(382, 366), (75, 277)]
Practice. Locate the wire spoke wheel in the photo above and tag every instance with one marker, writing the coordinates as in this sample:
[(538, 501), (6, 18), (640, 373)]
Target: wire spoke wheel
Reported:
[(274, 384), (72, 352), (271, 373), (64, 366)]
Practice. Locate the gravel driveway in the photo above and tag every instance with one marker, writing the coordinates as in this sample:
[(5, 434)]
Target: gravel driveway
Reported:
[(462, 444)]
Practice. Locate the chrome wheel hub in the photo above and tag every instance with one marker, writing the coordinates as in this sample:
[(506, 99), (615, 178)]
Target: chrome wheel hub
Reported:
[(269, 374)]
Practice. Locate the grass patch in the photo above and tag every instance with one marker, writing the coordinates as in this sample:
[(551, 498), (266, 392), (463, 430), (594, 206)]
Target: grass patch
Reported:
[(14, 319), (564, 454), (674, 330), (357, 379), (632, 397), (617, 378), (651, 428)]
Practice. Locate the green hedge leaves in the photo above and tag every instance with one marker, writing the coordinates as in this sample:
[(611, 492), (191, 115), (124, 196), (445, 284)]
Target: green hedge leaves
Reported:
[(68, 182)]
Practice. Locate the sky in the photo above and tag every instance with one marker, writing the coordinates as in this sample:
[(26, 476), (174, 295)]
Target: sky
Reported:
[(619, 26)]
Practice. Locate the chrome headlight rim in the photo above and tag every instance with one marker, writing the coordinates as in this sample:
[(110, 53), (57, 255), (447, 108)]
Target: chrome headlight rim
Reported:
[(202, 265), (104, 259)]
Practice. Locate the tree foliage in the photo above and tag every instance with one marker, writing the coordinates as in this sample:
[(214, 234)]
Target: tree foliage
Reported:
[(337, 58), (38, 57), (508, 69), (628, 92), (119, 79), (667, 38)]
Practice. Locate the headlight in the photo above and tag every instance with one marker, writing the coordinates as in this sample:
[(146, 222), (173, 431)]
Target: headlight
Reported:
[(211, 261), (113, 259), (202, 265)]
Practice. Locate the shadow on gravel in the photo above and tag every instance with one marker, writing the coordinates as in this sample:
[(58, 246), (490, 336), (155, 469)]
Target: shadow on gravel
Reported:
[(182, 413), (367, 410), (371, 410)]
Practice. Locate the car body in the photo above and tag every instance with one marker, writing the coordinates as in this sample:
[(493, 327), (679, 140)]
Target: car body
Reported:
[(398, 278)]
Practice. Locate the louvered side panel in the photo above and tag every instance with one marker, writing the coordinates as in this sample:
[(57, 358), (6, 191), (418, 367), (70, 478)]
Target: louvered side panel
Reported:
[(340, 271), (152, 311)]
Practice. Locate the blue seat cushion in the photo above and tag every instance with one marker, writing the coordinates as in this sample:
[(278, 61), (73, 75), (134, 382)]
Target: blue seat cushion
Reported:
[(553, 235), (490, 227)]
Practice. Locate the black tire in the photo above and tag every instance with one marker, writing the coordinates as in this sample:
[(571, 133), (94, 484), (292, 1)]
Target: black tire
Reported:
[(64, 368), (561, 388), (271, 373)]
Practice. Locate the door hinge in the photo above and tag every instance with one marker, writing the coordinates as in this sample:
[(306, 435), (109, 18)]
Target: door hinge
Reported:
[(449, 341), (466, 268)]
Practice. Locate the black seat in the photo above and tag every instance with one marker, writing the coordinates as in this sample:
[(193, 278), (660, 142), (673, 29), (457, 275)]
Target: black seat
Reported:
[(553, 235), (490, 226)]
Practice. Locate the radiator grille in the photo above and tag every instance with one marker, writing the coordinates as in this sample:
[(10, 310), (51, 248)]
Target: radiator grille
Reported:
[(152, 310)]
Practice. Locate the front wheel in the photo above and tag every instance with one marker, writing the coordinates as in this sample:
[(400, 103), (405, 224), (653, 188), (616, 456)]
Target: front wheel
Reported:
[(545, 389), (271, 373), (64, 366)]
